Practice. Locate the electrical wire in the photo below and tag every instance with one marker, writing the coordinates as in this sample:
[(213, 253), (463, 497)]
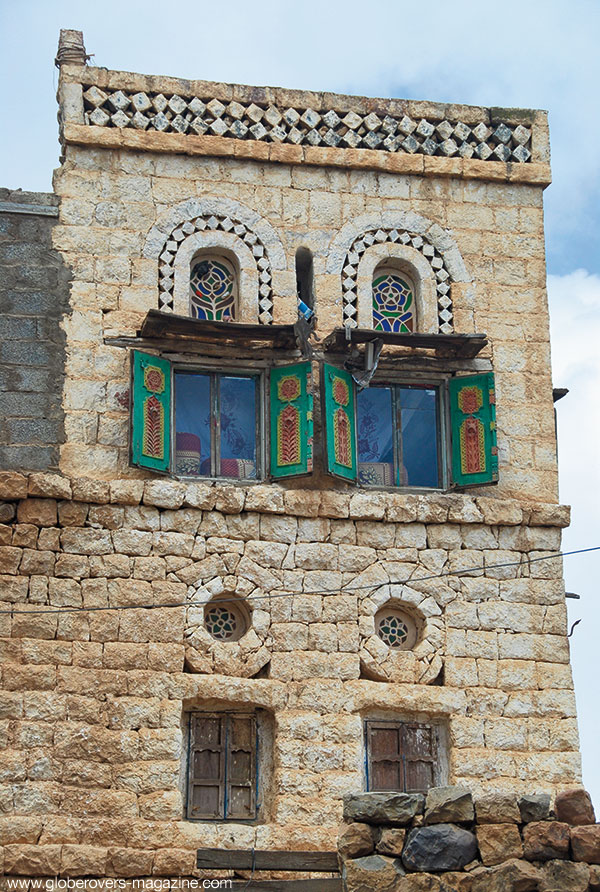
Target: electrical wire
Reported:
[(322, 592)]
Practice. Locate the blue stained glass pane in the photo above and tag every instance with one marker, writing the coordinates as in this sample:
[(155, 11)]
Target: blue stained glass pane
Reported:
[(420, 459), (192, 424), (392, 303), (375, 437), (238, 427)]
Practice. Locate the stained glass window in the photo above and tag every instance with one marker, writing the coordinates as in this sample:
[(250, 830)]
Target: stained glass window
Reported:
[(225, 622), (393, 301), (213, 290), (396, 628)]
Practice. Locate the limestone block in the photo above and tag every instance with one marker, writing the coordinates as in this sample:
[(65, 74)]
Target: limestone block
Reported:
[(32, 860), (401, 508), (511, 875), (265, 499), (174, 862), (289, 636), (316, 556), (49, 486), (123, 862), (396, 809), (448, 804), (86, 541), (334, 504), (13, 485), (354, 558), (164, 493), (498, 843), (126, 492), (87, 490), (501, 808), (41, 512), (372, 873), (566, 876), (199, 495), (499, 511), (10, 558), (545, 840), (299, 665), (585, 843), (574, 807), (83, 860)]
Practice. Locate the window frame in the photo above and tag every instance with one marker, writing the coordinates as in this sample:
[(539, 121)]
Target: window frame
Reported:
[(223, 779), (435, 760), (440, 385), (261, 423)]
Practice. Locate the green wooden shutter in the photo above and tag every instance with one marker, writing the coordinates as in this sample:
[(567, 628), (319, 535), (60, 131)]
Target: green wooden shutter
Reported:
[(291, 411), (339, 414), (150, 412), (473, 423)]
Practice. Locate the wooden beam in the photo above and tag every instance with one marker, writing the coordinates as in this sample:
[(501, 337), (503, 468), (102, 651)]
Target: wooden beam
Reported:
[(320, 885), (465, 346), (243, 859)]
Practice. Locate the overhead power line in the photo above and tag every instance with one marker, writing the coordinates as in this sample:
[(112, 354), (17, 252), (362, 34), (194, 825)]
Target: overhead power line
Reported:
[(59, 611)]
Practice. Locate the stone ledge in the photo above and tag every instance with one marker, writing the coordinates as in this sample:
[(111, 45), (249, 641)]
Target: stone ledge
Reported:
[(354, 159), (435, 508)]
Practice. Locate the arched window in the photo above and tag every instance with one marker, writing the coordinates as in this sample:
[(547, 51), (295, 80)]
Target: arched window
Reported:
[(394, 300), (213, 288)]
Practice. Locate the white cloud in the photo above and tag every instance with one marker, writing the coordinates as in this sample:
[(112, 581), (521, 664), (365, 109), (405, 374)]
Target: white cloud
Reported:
[(575, 324)]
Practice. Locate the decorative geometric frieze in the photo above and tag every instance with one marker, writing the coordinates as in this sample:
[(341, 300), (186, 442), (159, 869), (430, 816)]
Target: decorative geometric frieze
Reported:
[(401, 237), (206, 116), (223, 223)]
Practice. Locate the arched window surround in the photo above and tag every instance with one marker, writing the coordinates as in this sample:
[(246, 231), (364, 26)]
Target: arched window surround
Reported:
[(233, 249), (409, 261)]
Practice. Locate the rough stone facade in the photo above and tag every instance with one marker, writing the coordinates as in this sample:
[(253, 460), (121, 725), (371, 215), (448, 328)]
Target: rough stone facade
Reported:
[(34, 297), (106, 569)]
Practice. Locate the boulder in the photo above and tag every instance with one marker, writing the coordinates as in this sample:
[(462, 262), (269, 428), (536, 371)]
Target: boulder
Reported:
[(574, 807), (391, 841), (594, 878), (585, 843), (498, 843), (565, 876), (535, 807), (497, 808), (396, 809), (512, 876), (372, 874), (546, 840), (445, 805), (439, 847), (356, 840)]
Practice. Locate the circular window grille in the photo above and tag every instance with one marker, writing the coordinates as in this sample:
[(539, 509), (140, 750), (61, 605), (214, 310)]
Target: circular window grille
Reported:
[(396, 628), (225, 622)]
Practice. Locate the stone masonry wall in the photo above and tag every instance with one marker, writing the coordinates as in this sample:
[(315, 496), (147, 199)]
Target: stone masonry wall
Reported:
[(34, 296), (93, 702), (119, 188)]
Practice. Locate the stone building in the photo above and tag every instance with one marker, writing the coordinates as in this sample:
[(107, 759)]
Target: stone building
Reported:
[(289, 529)]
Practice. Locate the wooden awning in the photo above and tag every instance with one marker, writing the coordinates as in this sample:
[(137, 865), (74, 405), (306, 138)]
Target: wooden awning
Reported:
[(463, 346), (167, 326)]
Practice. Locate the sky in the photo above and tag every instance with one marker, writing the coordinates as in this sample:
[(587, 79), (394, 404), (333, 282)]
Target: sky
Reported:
[(523, 53)]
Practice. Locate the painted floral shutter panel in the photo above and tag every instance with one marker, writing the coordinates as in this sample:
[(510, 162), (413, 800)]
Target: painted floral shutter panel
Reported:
[(150, 412), (291, 409), (473, 423), (339, 413)]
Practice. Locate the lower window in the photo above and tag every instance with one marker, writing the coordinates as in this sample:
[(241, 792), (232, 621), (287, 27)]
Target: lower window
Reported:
[(216, 425), (401, 756), (222, 775), (399, 436)]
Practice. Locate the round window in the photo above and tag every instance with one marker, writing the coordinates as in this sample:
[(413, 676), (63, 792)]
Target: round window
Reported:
[(396, 628), (225, 621)]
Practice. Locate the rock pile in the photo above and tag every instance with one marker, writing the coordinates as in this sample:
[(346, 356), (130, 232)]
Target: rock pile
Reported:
[(442, 841)]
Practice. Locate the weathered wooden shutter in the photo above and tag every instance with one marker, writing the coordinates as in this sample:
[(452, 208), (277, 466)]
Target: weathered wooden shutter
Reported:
[(291, 410), (150, 412), (206, 782), (339, 416), (401, 756), (241, 768), (473, 423)]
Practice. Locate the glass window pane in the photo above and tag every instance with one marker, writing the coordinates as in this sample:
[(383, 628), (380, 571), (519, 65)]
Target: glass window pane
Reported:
[(375, 437), (238, 427), (420, 459), (192, 424)]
